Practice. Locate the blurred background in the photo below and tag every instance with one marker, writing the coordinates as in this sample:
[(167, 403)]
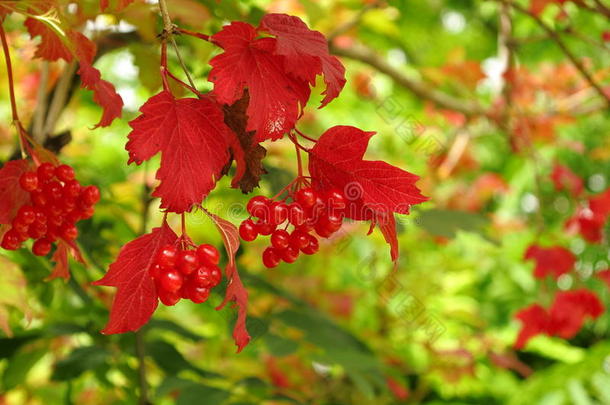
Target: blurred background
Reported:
[(491, 103)]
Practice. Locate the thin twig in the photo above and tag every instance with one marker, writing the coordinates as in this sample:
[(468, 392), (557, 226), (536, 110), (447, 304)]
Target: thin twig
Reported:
[(555, 37), (141, 354), (38, 119), (60, 96)]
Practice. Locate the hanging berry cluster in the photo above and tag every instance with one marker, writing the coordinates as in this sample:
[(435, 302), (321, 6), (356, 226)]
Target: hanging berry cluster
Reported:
[(309, 211), (261, 84), (186, 273)]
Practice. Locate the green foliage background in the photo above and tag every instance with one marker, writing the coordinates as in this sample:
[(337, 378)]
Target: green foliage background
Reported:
[(332, 328)]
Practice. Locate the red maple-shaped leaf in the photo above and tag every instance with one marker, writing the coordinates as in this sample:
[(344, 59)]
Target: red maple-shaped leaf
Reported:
[(247, 62), (554, 261), (194, 143), (51, 46), (235, 289), (569, 310), (306, 53), (565, 179), (136, 298), (12, 196), (535, 320), (374, 189)]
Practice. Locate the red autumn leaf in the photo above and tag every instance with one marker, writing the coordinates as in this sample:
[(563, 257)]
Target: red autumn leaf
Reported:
[(374, 189), (136, 298), (193, 140), (121, 4), (306, 53), (51, 46), (12, 196), (565, 179), (553, 261), (235, 289), (249, 63), (104, 94), (535, 320), (398, 389), (60, 257), (569, 310)]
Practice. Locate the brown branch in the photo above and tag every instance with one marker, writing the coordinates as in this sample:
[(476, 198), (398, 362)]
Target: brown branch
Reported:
[(366, 55), (601, 8), (555, 37), (343, 28)]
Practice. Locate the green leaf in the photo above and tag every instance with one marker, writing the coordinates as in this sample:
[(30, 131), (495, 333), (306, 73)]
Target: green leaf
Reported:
[(280, 346), (447, 223), (172, 361), (19, 366), (171, 326), (80, 360), (197, 394)]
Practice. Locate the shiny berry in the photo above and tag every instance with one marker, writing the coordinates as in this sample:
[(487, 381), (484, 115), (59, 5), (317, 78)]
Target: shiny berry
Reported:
[(90, 195), (265, 228), (208, 254), (205, 277), (53, 190), (41, 247), (26, 214), (280, 239), (279, 213), (312, 247), (28, 181), (336, 200), (87, 213), (11, 240), (19, 226), (296, 214), (167, 257), (37, 230), (155, 271), (197, 294), (72, 188), (187, 262), (290, 254), (68, 232), (39, 199), (64, 173), (45, 172), (271, 257), (306, 197), (322, 230), (247, 230), (299, 239), (168, 298), (258, 207), (171, 280)]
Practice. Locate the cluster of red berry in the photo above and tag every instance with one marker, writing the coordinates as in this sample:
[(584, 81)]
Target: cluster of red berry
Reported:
[(58, 202), (309, 211), (189, 274)]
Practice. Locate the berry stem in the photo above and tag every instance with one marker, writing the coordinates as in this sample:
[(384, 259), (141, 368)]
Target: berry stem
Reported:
[(11, 88), (305, 136), (194, 34), (185, 85), (299, 160)]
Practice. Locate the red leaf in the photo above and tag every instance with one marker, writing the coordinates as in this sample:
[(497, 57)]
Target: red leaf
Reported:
[(565, 179), (535, 320), (569, 310), (12, 196), (136, 298), (604, 275), (60, 257), (553, 261), (104, 94), (250, 63), (374, 189), (306, 53), (193, 140), (235, 289), (121, 4), (51, 46)]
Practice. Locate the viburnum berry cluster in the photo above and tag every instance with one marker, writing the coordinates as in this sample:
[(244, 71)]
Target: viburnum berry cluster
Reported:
[(58, 202), (186, 273), (308, 212)]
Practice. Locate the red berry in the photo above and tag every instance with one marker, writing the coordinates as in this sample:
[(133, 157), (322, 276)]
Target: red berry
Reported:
[(72, 189), (306, 227), (37, 230), (52, 232), (317, 211), (11, 240), (26, 214), (87, 213), (90, 195), (155, 271), (53, 190), (41, 216), (167, 257), (28, 181), (336, 200), (247, 230), (68, 232), (312, 246), (170, 280), (197, 294), (299, 240), (208, 254), (64, 173), (290, 254), (296, 214), (271, 257), (280, 239), (306, 197), (279, 213), (39, 199), (20, 227), (187, 262), (41, 247), (168, 298), (206, 276), (322, 230), (259, 207), (45, 172), (264, 228), (216, 276)]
